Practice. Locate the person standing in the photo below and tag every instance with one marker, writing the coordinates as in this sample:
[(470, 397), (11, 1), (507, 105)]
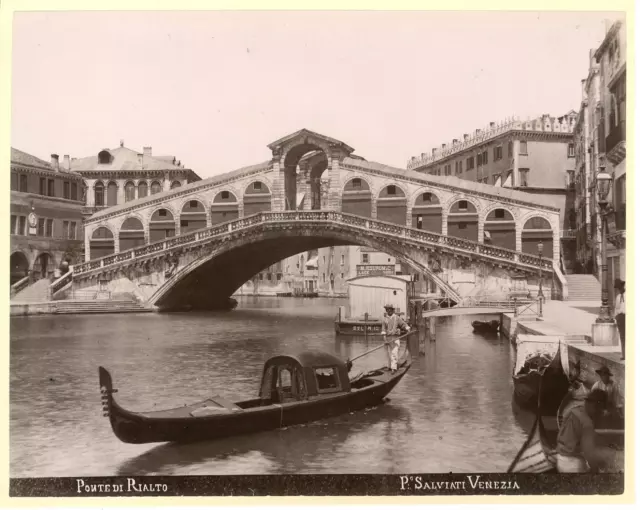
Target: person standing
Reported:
[(615, 404), (620, 311), (392, 327), (577, 451)]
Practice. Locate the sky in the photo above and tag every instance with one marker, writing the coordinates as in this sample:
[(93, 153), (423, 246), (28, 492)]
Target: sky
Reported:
[(215, 88)]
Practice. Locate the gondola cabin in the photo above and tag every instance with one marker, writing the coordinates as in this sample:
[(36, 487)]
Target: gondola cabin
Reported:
[(302, 377)]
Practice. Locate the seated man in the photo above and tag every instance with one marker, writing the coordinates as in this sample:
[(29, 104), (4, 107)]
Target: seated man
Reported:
[(615, 406)]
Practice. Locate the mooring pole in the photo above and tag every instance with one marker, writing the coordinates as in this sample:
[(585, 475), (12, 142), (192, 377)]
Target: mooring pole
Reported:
[(366, 333)]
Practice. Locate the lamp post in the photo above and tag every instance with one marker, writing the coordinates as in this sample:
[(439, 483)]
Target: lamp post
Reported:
[(603, 183), (540, 294)]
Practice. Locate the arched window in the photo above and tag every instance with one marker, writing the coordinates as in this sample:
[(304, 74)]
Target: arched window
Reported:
[(99, 193), (155, 187), (129, 192), (175, 184), (112, 193), (143, 189), (104, 157)]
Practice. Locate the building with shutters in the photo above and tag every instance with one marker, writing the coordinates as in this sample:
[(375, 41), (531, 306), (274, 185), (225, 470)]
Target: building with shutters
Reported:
[(46, 216)]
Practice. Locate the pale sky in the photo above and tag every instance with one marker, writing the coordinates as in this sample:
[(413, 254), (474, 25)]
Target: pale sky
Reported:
[(214, 88)]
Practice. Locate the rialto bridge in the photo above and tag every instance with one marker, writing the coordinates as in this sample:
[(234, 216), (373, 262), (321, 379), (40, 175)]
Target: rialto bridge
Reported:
[(195, 245)]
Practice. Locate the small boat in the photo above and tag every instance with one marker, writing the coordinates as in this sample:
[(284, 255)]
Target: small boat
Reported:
[(357, 327), (540, 373), (295, 389), (486, 326)]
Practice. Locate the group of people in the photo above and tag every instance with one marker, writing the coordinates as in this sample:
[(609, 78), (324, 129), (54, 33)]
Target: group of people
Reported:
[(577, 449)]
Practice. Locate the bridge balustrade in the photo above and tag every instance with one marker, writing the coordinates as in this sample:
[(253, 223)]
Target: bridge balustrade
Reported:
[(366, 224)]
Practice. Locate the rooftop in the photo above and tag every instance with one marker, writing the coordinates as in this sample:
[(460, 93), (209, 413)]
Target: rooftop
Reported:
[(22, 158)]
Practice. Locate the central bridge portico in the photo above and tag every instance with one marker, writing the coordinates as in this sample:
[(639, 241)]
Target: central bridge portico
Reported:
[(220, 231)]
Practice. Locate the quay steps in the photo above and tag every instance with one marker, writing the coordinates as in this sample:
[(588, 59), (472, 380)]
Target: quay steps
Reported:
[(37, 292), (583, 287), (99, 306)]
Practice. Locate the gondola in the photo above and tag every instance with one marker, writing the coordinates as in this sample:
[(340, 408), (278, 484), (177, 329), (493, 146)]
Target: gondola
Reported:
[(609, 429), (539, 374), (486, 326), (536, 454), (295, 389)]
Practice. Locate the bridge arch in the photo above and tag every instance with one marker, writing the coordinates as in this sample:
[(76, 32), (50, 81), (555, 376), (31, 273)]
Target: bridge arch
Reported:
[(101, 242), (537, 229), (256, 198), (356, 197), (391, 204), (131, 233), (462, 219), (426, 212), (293, 155), (43, 265), (193, 214), (500, 228), (223, 266), (162, 224), (224, 207)]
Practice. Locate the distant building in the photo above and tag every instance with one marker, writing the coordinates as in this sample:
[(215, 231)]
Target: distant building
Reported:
[(534, 156), (46, 216), (116, 176), (611, 56)]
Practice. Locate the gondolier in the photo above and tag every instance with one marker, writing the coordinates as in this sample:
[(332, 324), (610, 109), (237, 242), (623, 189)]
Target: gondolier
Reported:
[(392, 327)]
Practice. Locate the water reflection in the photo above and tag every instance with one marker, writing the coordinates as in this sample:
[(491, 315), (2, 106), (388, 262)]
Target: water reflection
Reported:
[(451, 412)]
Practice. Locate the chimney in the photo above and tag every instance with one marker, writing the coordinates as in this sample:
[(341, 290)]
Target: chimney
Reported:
[(492, 125), (478, 131), (413, 159), (455, 141), (423, 155), (433, 152), (121, 143), (584, 89), (139, 158), (444, 145), (66, 163), (466, 137), (54, 162), (147, 152)]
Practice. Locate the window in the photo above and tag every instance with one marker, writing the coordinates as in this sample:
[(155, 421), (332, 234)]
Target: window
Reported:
[(23, 183), (479, 160), (537, 222), (65, 230), (162, 212), (341, 275), (510, 149), (356, 183), (14, 182), (129, 192), (571, 150), (365, 258), (342, 260), (269, 276), (99, 192), (72, 230), (14, 223), (391, 190), (104, 158), (260, 277), (470, 163), (497, 153), (485, 157), (524, 177), (184, 223), (49, 232), (224, 195), (427, 197), (22, 226), (463, 205), (439, 171), (257, 186), (43, 186), (327, 379), (51, 188), (112, 193), (485, 180), (175, 184), (447, 169), (523, 148), (142, 189), (419, 222), (155, 187), (66, 193), (74, 191), (193, 204), (500, 214), (462, 225), (324, 277), (40, 231)]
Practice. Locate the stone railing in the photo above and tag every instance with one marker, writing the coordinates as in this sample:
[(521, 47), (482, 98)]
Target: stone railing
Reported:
[(366, 225), (61, 282), (19, 285)]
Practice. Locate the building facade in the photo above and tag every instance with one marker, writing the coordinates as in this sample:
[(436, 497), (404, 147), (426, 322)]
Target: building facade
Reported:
[(46, 216), (535, 156), (611, 56)]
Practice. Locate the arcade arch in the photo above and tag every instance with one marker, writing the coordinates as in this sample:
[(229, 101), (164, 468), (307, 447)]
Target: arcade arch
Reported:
[(131, 234), (101, 243), (257, 198), (193, 216), (462, 220), (500, 229), (356, 197), (426, 213), (224, 207), (392, 205), (537, 230), (162, 225)]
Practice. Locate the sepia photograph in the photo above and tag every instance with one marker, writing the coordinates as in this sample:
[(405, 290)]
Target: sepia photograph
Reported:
[(318, 253)]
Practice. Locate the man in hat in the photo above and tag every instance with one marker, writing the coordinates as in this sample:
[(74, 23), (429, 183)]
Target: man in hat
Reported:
[(392, 326), (577, 451), (619, 311), (615, 403)]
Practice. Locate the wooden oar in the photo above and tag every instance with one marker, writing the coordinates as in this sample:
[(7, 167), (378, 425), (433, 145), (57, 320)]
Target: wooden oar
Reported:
[(379, 347)]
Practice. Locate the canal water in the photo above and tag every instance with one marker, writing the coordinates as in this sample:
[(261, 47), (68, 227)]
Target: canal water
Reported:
[(453, 410)]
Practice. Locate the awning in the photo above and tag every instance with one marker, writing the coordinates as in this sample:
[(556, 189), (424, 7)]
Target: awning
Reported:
[(498, 183), (508, 181), (312, 263), (300, 199)]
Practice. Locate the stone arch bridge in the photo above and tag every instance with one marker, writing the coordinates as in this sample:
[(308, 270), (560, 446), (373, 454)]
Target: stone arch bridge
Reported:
[(194, 245)]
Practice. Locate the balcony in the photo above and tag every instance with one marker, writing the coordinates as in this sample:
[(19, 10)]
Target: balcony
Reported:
[(616, 143)]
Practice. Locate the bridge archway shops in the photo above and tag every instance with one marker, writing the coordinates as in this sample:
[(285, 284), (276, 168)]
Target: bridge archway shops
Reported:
[(162, 225), (193, 216), (257, 198), (102, 243), (462, 220), (224, 208), (537, 230), (426, 213), (500, 229), (356, 198), (131, 234), (392, 205)]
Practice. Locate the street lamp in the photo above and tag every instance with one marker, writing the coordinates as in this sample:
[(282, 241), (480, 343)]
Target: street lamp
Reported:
[(540, 248), (603, 185)]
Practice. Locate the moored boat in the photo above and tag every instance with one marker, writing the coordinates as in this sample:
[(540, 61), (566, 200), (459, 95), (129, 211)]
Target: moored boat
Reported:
[(540, 374), (357, 327), (486, 326), (295, 389)]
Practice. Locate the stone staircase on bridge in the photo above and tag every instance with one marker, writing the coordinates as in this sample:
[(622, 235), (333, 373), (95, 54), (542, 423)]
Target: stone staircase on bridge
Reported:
[(583, 287), (38, 292), (99, 306)]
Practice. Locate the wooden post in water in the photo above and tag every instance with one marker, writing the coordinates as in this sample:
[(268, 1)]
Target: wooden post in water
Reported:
[(432, 329), (423, 337), (366, 333)]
